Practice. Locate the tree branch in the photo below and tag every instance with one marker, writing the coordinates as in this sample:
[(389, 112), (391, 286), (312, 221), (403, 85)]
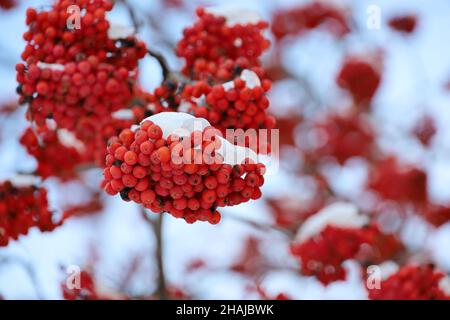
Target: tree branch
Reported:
[(157, 225), (162, 62), (263, 227)]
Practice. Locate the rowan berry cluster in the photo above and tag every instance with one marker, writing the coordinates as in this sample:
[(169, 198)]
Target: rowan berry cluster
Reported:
[(238, 104), (79, 76), (87, 290), (360, 78), (74, 91), (216, 42), (405, 24), (322, 255), (22, 208), (141, 167), (400, 183), (344, 136), (53, 157), (50, 39), (412, 282), (437, 214), (7, 4), (310, 16)]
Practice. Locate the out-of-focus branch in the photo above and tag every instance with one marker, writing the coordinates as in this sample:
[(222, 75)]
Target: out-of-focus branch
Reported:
[(29, 269), (161, 289), (162, 62), (261, 226)]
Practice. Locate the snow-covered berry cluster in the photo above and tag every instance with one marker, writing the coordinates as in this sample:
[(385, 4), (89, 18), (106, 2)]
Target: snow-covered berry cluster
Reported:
[(79, 76), (185, 175), (336, 234), (240, 104)]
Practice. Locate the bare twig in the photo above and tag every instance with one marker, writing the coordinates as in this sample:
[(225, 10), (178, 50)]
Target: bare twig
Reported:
[(162, 62), (263, 227)]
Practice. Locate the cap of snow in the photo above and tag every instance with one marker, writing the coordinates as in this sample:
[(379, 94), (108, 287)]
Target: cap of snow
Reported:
[(118, 31), (235, 15), (251, 80), (52, 66), (183, 124), (68, 139), (339, 214), (172, 122)]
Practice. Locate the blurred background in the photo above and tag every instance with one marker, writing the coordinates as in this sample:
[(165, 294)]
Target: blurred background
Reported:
[(361, 91)]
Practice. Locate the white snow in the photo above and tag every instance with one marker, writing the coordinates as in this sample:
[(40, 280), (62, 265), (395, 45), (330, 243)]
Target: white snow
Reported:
[(183, 124), (52, 66), (251, 80), (444, 285), (119, 31), (68, 139), (235, 15), (24, 180), (123, 114), (339, 214), (388, 268)]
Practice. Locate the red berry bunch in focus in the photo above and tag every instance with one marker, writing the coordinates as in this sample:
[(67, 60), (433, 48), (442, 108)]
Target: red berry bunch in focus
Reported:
[(53, 158), (400, 183), (214, 39), (73, 91), (360, 78), (238, 105), (50, 40), (322, 255), (140, 166), (310, 16), (78, 77), (412, 282), (22, 208)]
